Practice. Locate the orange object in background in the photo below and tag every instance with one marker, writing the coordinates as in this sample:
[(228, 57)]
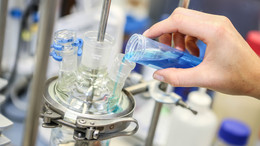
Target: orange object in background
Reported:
[(253, 39)]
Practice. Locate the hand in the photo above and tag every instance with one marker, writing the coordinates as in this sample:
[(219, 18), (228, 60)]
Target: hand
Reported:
[(229, 66)]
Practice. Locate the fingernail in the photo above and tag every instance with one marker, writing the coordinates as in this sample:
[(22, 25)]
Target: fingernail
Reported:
[(146, 32), (179, 48), (158, 77)]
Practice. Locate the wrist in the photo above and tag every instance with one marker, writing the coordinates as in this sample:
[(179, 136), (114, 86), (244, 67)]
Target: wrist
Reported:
[(254, 82)]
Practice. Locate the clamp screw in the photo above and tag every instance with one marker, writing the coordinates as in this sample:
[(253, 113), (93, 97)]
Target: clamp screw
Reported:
[(96, 134), (111, 127), (82, 121), (49, 112)]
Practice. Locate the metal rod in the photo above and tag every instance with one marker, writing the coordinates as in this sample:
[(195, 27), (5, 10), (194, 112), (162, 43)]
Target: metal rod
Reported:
[(3, 13), (47, 11), (156, 114), (103, 20), (184, 3), (138, 88), (153, 124)]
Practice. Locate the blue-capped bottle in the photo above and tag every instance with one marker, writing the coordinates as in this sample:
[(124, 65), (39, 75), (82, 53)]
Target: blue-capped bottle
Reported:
[(232, 133), (151, 53)]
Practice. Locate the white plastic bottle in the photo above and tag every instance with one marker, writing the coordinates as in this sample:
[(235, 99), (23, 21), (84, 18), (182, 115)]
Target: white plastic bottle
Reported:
[(188, 129)]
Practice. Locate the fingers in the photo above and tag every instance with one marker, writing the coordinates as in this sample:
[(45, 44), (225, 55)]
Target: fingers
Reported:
[(193, 13), (179, 42), (166, 39), (180, 77), (191, 46), (179, 23)]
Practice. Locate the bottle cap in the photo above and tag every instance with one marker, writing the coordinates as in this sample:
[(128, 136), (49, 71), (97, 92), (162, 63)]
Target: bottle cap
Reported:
[(234, 132), (199, 99), (253, 39)]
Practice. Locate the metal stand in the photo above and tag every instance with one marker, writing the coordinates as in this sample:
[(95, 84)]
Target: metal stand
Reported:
[(3, 13), (153, 125), (155, 118), (47, 11), (158, 105)]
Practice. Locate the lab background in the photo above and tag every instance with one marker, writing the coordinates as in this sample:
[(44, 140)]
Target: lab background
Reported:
[(126, 18)]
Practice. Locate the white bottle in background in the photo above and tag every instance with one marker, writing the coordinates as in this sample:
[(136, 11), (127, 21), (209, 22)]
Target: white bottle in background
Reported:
[(13, 20), (258, 141), (188, 129)]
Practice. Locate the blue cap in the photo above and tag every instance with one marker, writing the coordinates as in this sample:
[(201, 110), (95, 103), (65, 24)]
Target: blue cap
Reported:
[(234, 132), (16, 13)]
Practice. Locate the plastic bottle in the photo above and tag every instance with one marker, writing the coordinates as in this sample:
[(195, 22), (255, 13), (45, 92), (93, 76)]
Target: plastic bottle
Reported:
[(148, 52), (188, 129), (11, 38), (232, 133)]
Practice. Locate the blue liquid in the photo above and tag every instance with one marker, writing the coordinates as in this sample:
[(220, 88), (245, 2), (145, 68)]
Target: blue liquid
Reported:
[(116, 109), (164, 59), (117, 78)]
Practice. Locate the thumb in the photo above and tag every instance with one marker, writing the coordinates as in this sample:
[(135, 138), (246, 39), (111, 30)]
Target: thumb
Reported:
[(179, 77)]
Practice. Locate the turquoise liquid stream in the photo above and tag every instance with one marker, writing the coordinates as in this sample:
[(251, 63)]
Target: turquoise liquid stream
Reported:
[(116, 84)]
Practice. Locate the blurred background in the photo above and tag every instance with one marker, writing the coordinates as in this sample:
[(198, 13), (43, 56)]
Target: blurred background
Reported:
[(127, 17)]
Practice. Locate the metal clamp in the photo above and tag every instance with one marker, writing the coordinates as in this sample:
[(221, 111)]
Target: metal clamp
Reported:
[(92, 130), (48, 118), (89, 129)]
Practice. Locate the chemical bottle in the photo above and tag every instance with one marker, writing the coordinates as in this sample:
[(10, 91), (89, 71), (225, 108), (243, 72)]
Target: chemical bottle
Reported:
[(232, 133), (188, 129)]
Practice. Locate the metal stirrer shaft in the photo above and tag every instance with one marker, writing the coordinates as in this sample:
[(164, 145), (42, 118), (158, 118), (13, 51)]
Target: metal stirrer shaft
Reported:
[(103, 20)]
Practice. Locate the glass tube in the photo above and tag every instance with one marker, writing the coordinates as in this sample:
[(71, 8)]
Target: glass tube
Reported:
[(151, 53)]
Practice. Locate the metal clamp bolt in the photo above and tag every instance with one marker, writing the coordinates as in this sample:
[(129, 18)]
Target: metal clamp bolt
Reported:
[(82, 121)]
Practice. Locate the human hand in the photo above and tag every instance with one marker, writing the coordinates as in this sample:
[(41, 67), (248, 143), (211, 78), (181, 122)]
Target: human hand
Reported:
[(229, 66)]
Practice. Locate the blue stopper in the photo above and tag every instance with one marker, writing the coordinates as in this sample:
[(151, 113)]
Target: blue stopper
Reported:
[(16, 13)]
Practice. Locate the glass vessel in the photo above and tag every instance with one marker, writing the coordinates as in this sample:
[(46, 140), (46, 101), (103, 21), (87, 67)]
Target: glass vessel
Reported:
[(151, 53), (93, 87)]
